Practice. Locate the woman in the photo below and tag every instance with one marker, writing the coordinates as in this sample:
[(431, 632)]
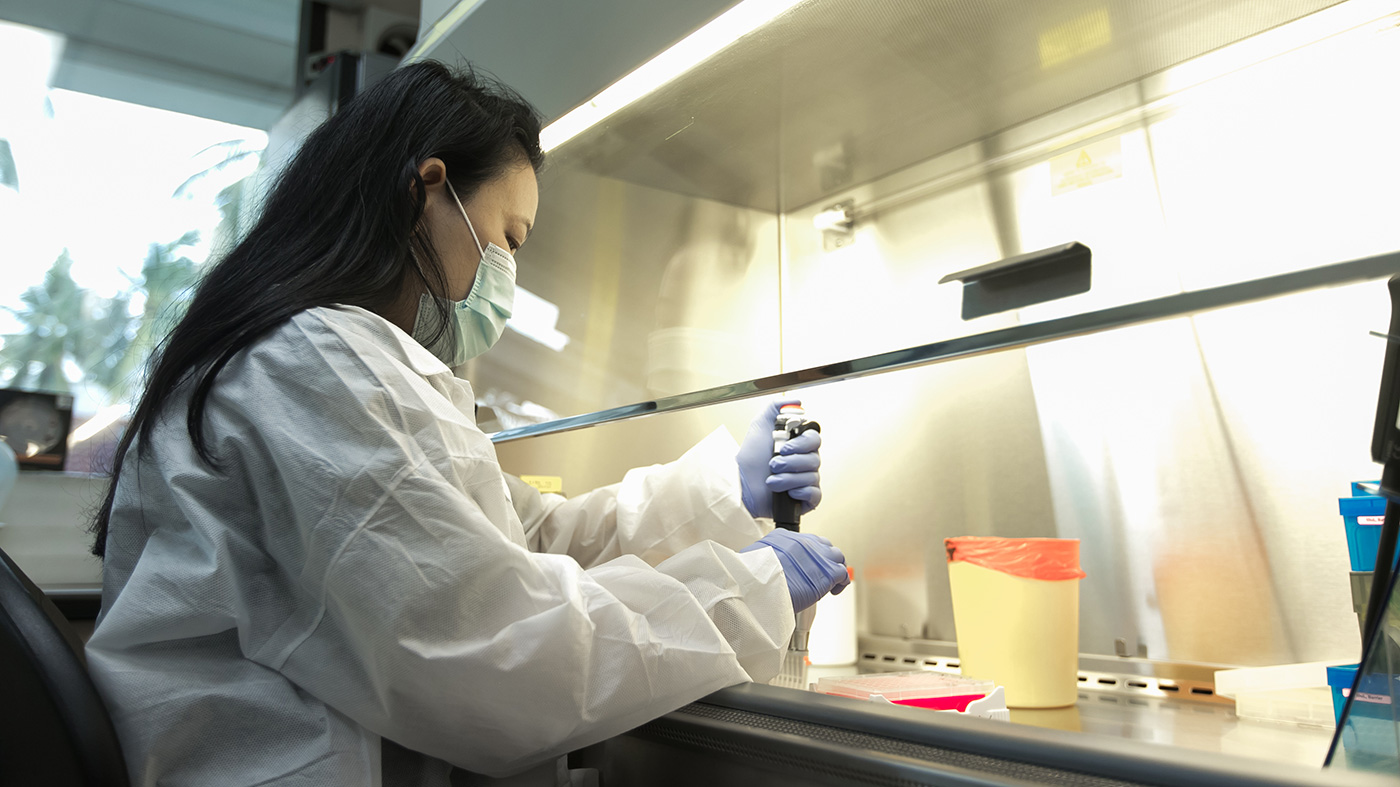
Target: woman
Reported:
[(316, 571)]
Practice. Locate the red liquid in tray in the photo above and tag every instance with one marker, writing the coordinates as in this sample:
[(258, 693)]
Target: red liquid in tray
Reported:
[(958, 703)]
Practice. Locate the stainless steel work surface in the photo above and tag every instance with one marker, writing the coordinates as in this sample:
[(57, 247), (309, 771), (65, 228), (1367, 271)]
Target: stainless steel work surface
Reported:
[(1186, 724), (760, 725), (1208, 726)]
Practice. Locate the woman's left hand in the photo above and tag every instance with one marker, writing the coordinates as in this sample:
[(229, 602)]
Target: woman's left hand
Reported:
[(794, 470)]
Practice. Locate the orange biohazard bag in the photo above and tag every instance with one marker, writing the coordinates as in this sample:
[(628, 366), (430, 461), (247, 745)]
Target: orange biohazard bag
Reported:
[(1049, 559)]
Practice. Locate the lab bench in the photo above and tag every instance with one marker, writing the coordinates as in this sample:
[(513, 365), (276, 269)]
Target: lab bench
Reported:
[(759, 734), (78, 601), (1138, 699), (1135, 723)]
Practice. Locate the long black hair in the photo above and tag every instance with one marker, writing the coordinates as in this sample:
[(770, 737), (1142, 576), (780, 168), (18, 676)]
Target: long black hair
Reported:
[(341, 226)]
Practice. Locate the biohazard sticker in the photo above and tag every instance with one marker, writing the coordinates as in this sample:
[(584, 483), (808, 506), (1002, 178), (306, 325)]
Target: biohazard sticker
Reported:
[(1087, 166)]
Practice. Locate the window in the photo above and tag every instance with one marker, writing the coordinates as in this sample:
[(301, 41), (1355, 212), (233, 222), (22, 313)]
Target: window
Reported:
[(108, 211)]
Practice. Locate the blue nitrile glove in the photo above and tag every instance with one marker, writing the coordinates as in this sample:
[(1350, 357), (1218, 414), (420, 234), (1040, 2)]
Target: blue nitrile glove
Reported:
[(811, 565), (793, 471)]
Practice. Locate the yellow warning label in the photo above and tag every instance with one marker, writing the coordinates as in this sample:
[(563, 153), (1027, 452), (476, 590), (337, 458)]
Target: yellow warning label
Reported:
[(1076, 37), (545, 483), (1091, 164)]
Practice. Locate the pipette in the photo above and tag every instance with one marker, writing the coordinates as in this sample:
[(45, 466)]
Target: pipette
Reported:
[(787, 513)]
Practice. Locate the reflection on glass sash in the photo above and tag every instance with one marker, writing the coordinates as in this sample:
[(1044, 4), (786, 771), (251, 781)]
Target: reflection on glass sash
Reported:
[(1354, 271)]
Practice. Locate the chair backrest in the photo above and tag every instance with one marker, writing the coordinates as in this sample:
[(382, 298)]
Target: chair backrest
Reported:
[(54, 729)]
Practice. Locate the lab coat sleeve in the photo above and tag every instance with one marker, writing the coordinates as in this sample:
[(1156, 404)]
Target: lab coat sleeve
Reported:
[(438, 630), (654, 513), (443, 636)]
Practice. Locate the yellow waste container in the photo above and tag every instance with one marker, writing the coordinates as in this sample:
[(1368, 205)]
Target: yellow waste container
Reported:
[(1016, 609)]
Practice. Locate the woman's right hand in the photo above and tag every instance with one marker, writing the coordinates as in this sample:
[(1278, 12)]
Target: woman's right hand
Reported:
[(811, 565)]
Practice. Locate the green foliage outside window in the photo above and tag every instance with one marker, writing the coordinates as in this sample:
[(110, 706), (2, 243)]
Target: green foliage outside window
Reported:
[(108, 339)]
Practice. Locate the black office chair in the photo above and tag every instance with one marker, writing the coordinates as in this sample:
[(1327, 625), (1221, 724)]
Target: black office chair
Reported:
[(54, 729)]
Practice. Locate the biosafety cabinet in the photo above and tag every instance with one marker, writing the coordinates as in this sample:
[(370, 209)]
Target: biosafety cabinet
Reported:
[(770, 197)]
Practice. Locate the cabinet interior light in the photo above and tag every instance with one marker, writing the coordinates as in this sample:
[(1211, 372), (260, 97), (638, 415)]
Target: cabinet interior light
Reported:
[(720, 32)]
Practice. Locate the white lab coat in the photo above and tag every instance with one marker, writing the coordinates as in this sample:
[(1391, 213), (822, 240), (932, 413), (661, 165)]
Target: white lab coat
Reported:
[(362, 590)]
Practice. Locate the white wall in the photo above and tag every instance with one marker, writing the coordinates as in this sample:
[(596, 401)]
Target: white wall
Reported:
[(44, 527)]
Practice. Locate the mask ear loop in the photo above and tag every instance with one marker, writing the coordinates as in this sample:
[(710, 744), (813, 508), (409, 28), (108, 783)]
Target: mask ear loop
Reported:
[(479, 248)]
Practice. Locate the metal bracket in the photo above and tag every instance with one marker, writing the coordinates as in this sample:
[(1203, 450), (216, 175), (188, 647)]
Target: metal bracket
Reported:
[(837, 225)]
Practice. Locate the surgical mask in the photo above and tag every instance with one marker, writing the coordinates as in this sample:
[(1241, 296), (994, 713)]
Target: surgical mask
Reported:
[(477, 322)]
